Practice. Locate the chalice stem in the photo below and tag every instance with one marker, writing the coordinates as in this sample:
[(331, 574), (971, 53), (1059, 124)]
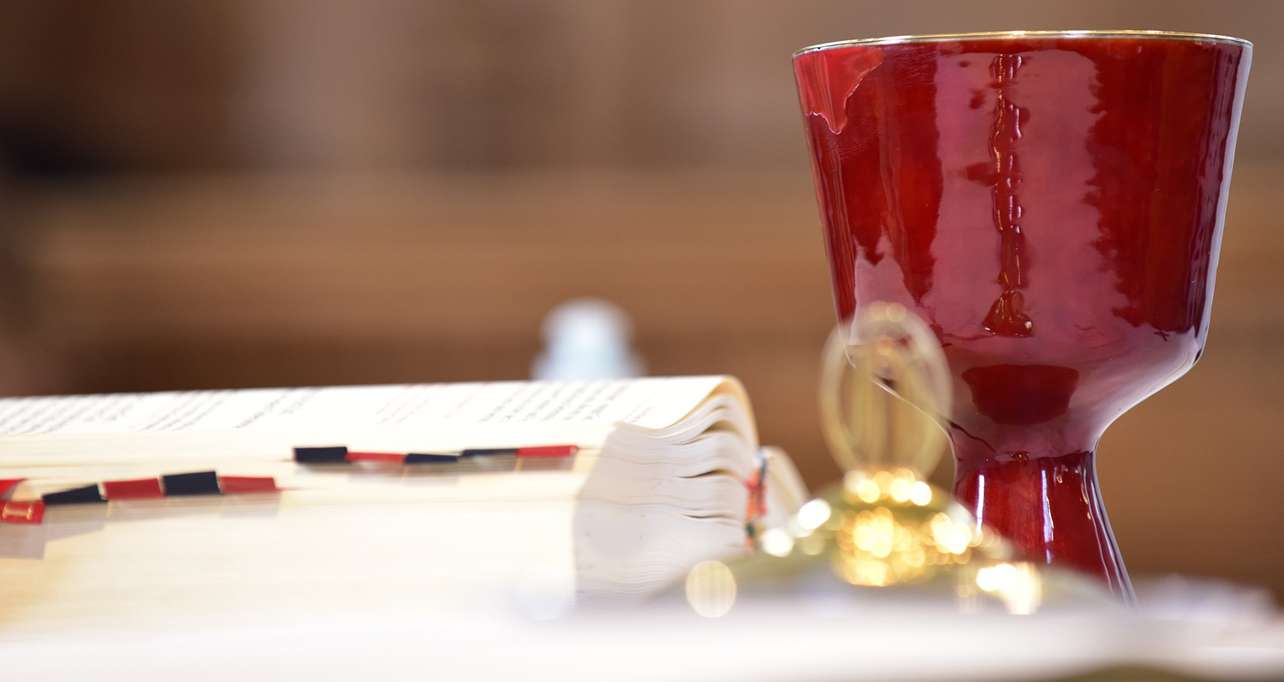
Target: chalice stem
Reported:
[(1049, 507)]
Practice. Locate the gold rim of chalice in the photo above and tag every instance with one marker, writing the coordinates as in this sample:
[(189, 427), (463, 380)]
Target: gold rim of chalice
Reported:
[(1022, 35)]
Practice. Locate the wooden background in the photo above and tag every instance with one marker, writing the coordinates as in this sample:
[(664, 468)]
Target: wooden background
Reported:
[(253, 193)]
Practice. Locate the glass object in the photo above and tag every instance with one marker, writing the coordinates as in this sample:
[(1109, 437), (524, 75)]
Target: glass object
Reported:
[(1051, 205)]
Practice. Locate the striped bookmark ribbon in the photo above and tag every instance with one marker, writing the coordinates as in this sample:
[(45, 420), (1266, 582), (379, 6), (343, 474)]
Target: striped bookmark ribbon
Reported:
[(340, 454), (169, 485)]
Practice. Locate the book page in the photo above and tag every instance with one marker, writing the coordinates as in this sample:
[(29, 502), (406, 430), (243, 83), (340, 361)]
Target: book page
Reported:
[(396, 418)]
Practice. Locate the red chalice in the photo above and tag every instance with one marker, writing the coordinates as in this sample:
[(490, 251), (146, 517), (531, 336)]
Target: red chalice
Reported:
[(1051, 204)]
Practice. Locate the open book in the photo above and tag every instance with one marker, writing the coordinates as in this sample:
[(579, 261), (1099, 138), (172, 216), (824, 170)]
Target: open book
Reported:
[(645, 477), (686, 442)]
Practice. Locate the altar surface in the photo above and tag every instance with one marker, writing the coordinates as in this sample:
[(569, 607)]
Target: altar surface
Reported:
[(354, 583)]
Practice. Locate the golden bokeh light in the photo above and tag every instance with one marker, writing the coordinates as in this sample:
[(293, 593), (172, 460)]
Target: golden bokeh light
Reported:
[(711, 589)]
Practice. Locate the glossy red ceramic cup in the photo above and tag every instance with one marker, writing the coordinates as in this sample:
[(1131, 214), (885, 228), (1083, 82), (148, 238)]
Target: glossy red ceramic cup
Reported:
[(1051, 204)]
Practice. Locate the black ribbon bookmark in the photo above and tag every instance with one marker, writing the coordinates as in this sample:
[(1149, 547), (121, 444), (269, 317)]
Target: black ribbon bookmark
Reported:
[(197, 483), (428, 458), (337, 454), (83, 495), (488, 452)]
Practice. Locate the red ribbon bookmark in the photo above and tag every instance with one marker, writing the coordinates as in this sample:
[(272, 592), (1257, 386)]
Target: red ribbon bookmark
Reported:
[(548, 451), (8, 484), (383, 457), (136, 489), (236, 485), (22, 512)]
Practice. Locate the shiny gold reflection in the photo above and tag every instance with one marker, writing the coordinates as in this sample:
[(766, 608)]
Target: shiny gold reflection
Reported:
[(884, 395), (893, 528), (879, 529), (885, 392)]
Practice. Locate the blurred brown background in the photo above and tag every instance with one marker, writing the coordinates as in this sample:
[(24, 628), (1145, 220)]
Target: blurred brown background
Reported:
[(267, 192)]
